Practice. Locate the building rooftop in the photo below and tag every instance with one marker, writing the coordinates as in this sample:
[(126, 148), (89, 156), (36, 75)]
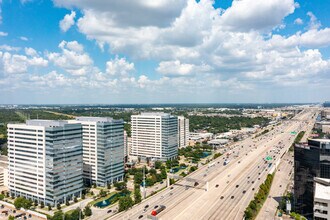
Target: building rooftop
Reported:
[(321, 140), (96, 119), (322, 188), (155, 114), (46, 123)]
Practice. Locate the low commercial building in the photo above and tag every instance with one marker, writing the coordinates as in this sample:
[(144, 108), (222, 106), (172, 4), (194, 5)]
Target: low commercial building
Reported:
[(321, 199), (217, 142), (45, 160)]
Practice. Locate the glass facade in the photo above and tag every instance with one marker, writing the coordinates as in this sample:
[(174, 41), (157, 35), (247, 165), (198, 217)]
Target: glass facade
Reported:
[(312, 160)]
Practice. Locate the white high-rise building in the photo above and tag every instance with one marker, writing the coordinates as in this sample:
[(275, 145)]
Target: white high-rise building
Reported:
[(183, 129), (45, 160), (154, 136), (103, 149)]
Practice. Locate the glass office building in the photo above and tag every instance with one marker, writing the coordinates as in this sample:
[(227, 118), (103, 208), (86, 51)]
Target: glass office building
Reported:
[(310, 160), (45, 160)]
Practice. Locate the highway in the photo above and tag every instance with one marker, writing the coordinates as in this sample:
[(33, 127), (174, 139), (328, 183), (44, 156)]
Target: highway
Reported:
[(231, 187)]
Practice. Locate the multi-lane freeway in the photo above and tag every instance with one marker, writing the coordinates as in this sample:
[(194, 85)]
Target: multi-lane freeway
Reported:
[(232, 186)]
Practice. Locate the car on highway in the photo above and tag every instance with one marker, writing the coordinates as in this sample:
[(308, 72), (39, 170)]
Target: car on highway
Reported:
[(232, 197), (156, 206), (221, 197), (244, 191), (171, 187), (237, 186), (253, 189), (141, 216), (158, 210), (196, 184), (109, 211), (147, 206), (217, 185)]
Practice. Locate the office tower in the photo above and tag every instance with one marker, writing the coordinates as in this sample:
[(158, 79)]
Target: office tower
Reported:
[(310, 160), (103, 149), (154, 136), (45, 160), (183, 129)]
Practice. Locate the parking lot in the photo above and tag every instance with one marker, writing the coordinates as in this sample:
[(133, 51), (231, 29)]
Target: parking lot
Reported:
[(6, 211)]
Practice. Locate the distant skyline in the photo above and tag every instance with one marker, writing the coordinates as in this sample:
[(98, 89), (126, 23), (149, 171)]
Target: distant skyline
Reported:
[(164, 51)]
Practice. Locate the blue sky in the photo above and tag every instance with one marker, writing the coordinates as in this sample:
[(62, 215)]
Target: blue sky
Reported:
[(172, 51)]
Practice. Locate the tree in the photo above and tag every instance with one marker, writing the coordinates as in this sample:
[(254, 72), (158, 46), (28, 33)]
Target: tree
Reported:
[(169, 164), (75, 199), (35, 202), (248, 213), (137, 195), (109, 185), (2, 196), (152, 171), (87, 211), (58, 215), (83, 196), (74, 215), (42, 204), (21, 202), (125, 203), (11, 218), (163, 174), (67, 203), (138, 177), (102, 193), (158, 164), (120, 185), (58, 206), (49, 207)]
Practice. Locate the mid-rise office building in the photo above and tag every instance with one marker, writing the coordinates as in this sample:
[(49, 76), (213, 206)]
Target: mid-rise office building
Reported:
[(154, 136), (45, 160), (183, 129), (103, 149), (310, 160)]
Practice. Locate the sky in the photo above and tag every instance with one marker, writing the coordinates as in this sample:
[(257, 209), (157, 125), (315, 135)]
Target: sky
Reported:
[(164, 51)]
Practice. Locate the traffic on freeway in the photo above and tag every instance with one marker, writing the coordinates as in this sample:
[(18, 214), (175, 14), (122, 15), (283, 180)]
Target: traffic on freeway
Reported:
[(231, 181)]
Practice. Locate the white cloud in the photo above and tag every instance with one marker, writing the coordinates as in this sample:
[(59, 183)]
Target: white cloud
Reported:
[(246, 15), (298, 21), (176, 68), (220, 52), (3, 34), (67, 21), (313, 23), (18, 64), (9, 48), (72, 58), (129, 13), (119, 67), (30, 51), (24, 38)]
